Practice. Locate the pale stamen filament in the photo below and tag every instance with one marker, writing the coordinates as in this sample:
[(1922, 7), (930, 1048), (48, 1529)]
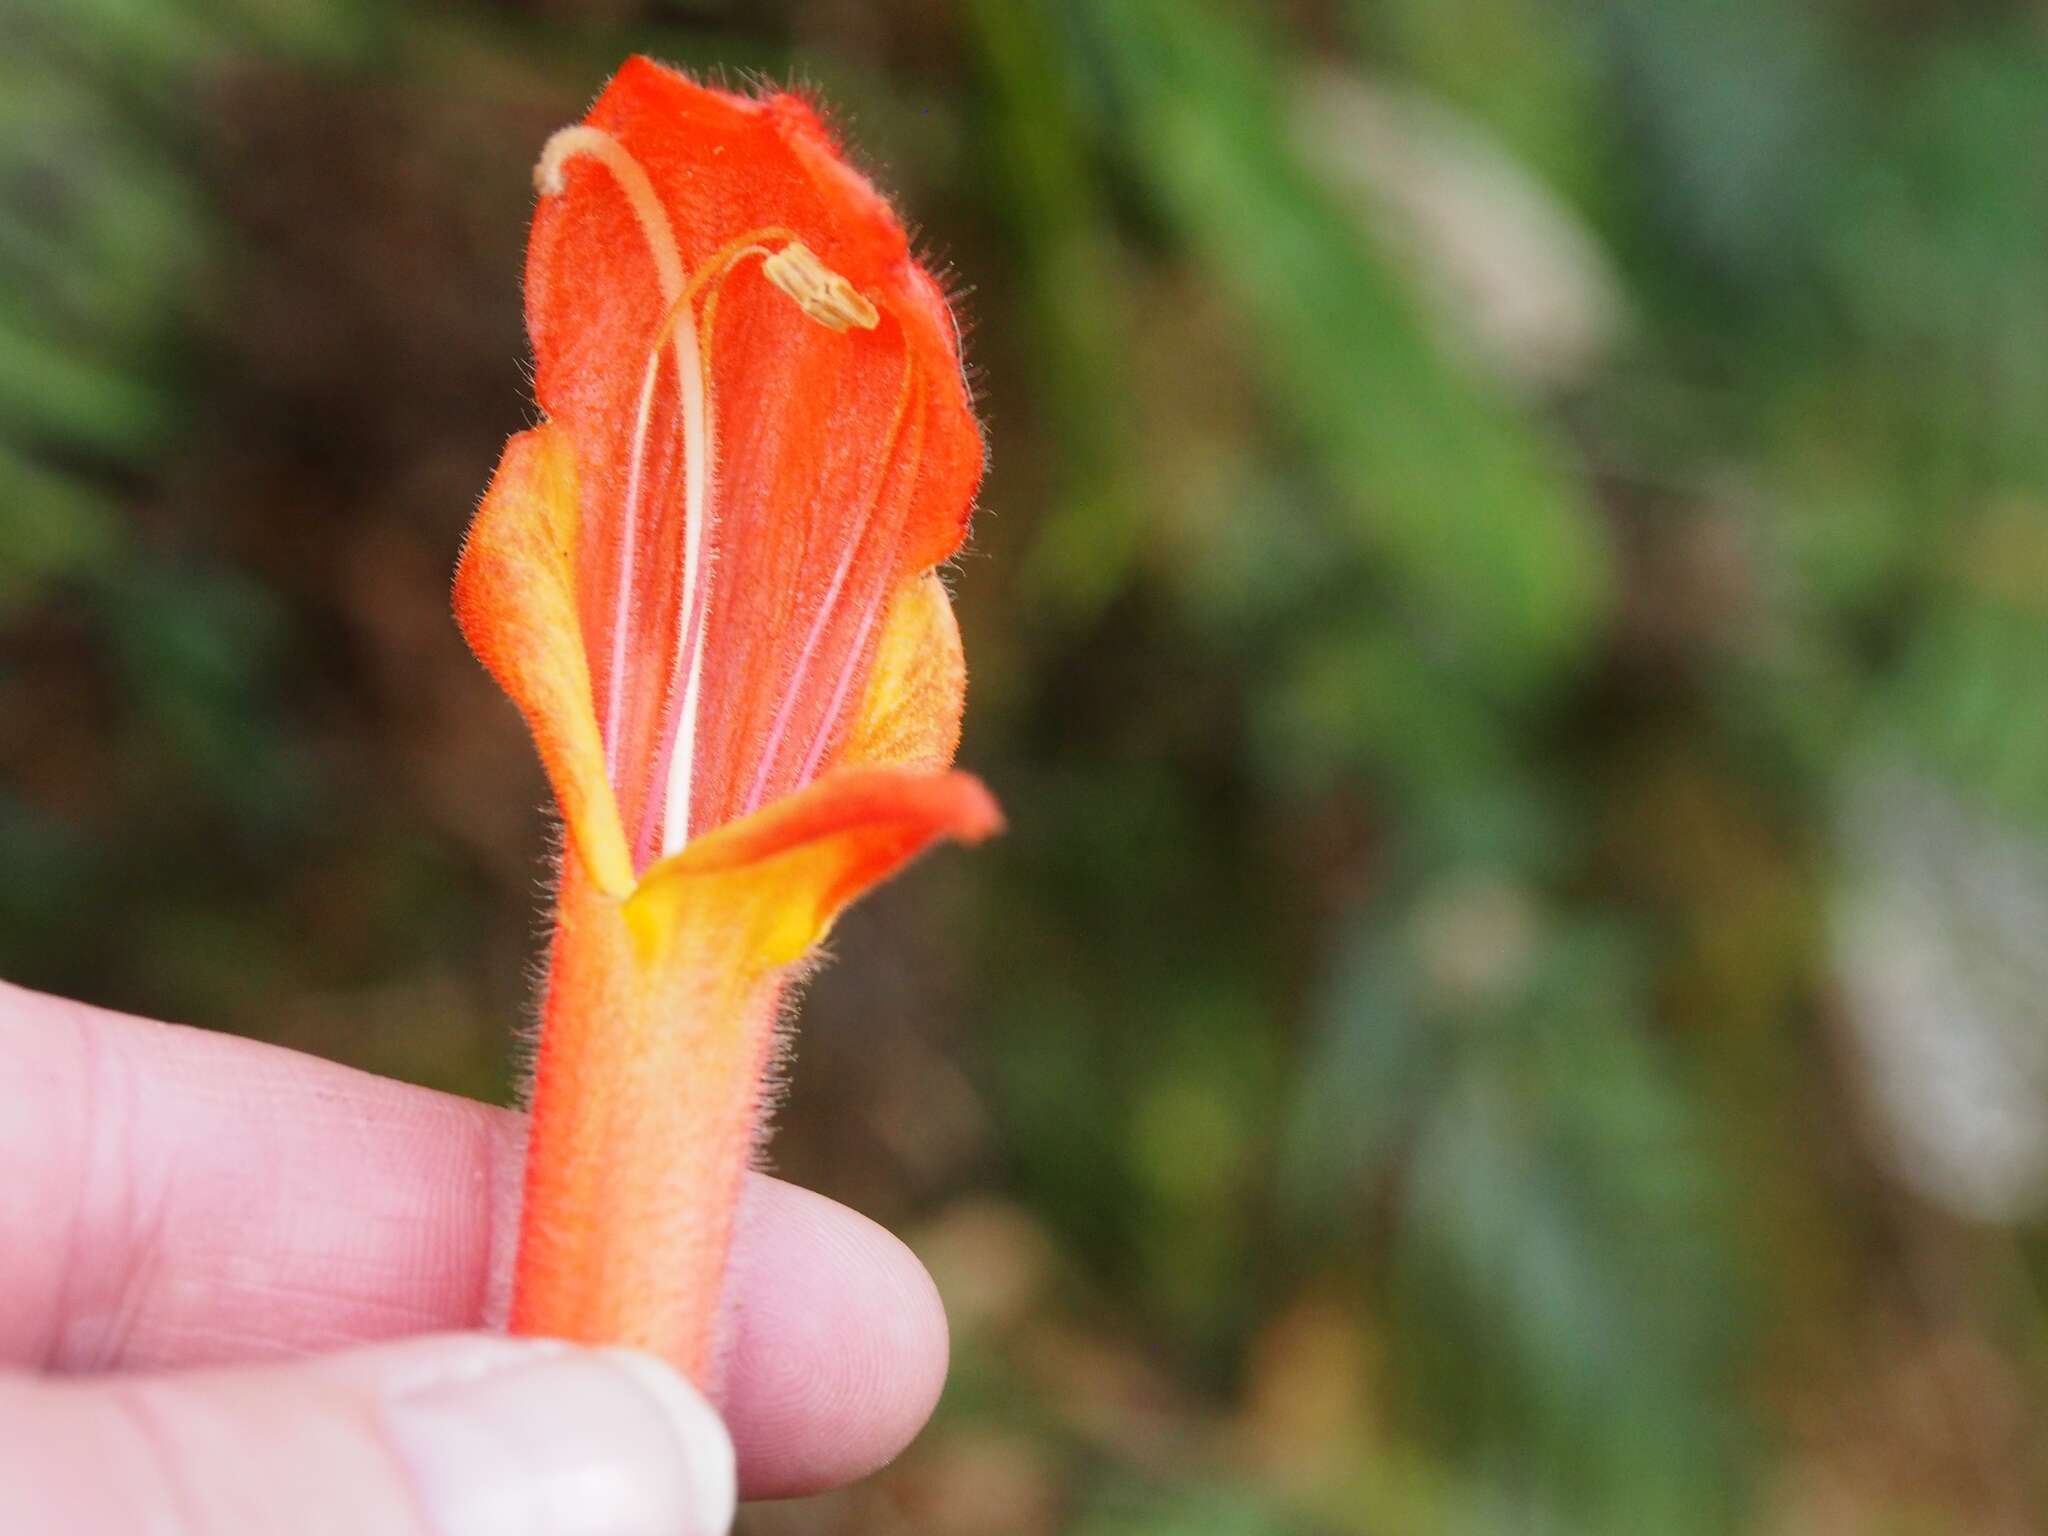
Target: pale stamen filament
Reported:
[(695, 615), (549, 181), (826, 297), (820, 293)]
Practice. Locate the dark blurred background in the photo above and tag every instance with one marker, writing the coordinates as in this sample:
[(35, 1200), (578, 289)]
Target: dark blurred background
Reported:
[(1509, 615)]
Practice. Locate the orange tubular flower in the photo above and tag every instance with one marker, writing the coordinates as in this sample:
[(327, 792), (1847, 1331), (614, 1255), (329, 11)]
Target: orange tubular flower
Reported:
[(707, 582)]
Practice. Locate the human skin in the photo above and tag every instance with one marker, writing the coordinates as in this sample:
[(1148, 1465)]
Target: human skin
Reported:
[(200, 1234)]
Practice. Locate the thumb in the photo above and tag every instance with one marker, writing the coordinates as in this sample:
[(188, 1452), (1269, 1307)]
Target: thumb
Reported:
[(460, 1435)]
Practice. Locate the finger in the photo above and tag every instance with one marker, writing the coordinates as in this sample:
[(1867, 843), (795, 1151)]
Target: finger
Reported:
[(183, 1198), (460, 1435), (838, 1338)]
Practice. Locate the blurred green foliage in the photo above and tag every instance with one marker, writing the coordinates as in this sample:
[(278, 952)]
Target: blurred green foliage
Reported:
[(1510, 616)]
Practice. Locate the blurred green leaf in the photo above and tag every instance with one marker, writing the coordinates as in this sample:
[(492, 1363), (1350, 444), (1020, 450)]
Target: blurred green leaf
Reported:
[(1471, 507), (1529, 69), (1567, 1318), (51, 529), (1083, 546)]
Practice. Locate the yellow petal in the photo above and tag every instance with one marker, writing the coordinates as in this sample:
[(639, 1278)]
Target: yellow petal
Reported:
[(910, 715), (515, 598), (774, 881)]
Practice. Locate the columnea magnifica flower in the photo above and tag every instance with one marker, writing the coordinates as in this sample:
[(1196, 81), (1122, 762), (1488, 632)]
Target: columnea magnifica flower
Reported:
[(707, 580)]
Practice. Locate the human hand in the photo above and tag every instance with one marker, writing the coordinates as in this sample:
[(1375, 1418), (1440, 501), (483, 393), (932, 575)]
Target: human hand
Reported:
[(199, 1235)]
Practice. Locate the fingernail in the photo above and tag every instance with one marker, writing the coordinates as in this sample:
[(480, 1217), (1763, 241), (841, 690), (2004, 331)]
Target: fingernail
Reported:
[(566, 1442)]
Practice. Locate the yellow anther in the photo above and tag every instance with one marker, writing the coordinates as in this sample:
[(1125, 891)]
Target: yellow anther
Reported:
[(821, 293)]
